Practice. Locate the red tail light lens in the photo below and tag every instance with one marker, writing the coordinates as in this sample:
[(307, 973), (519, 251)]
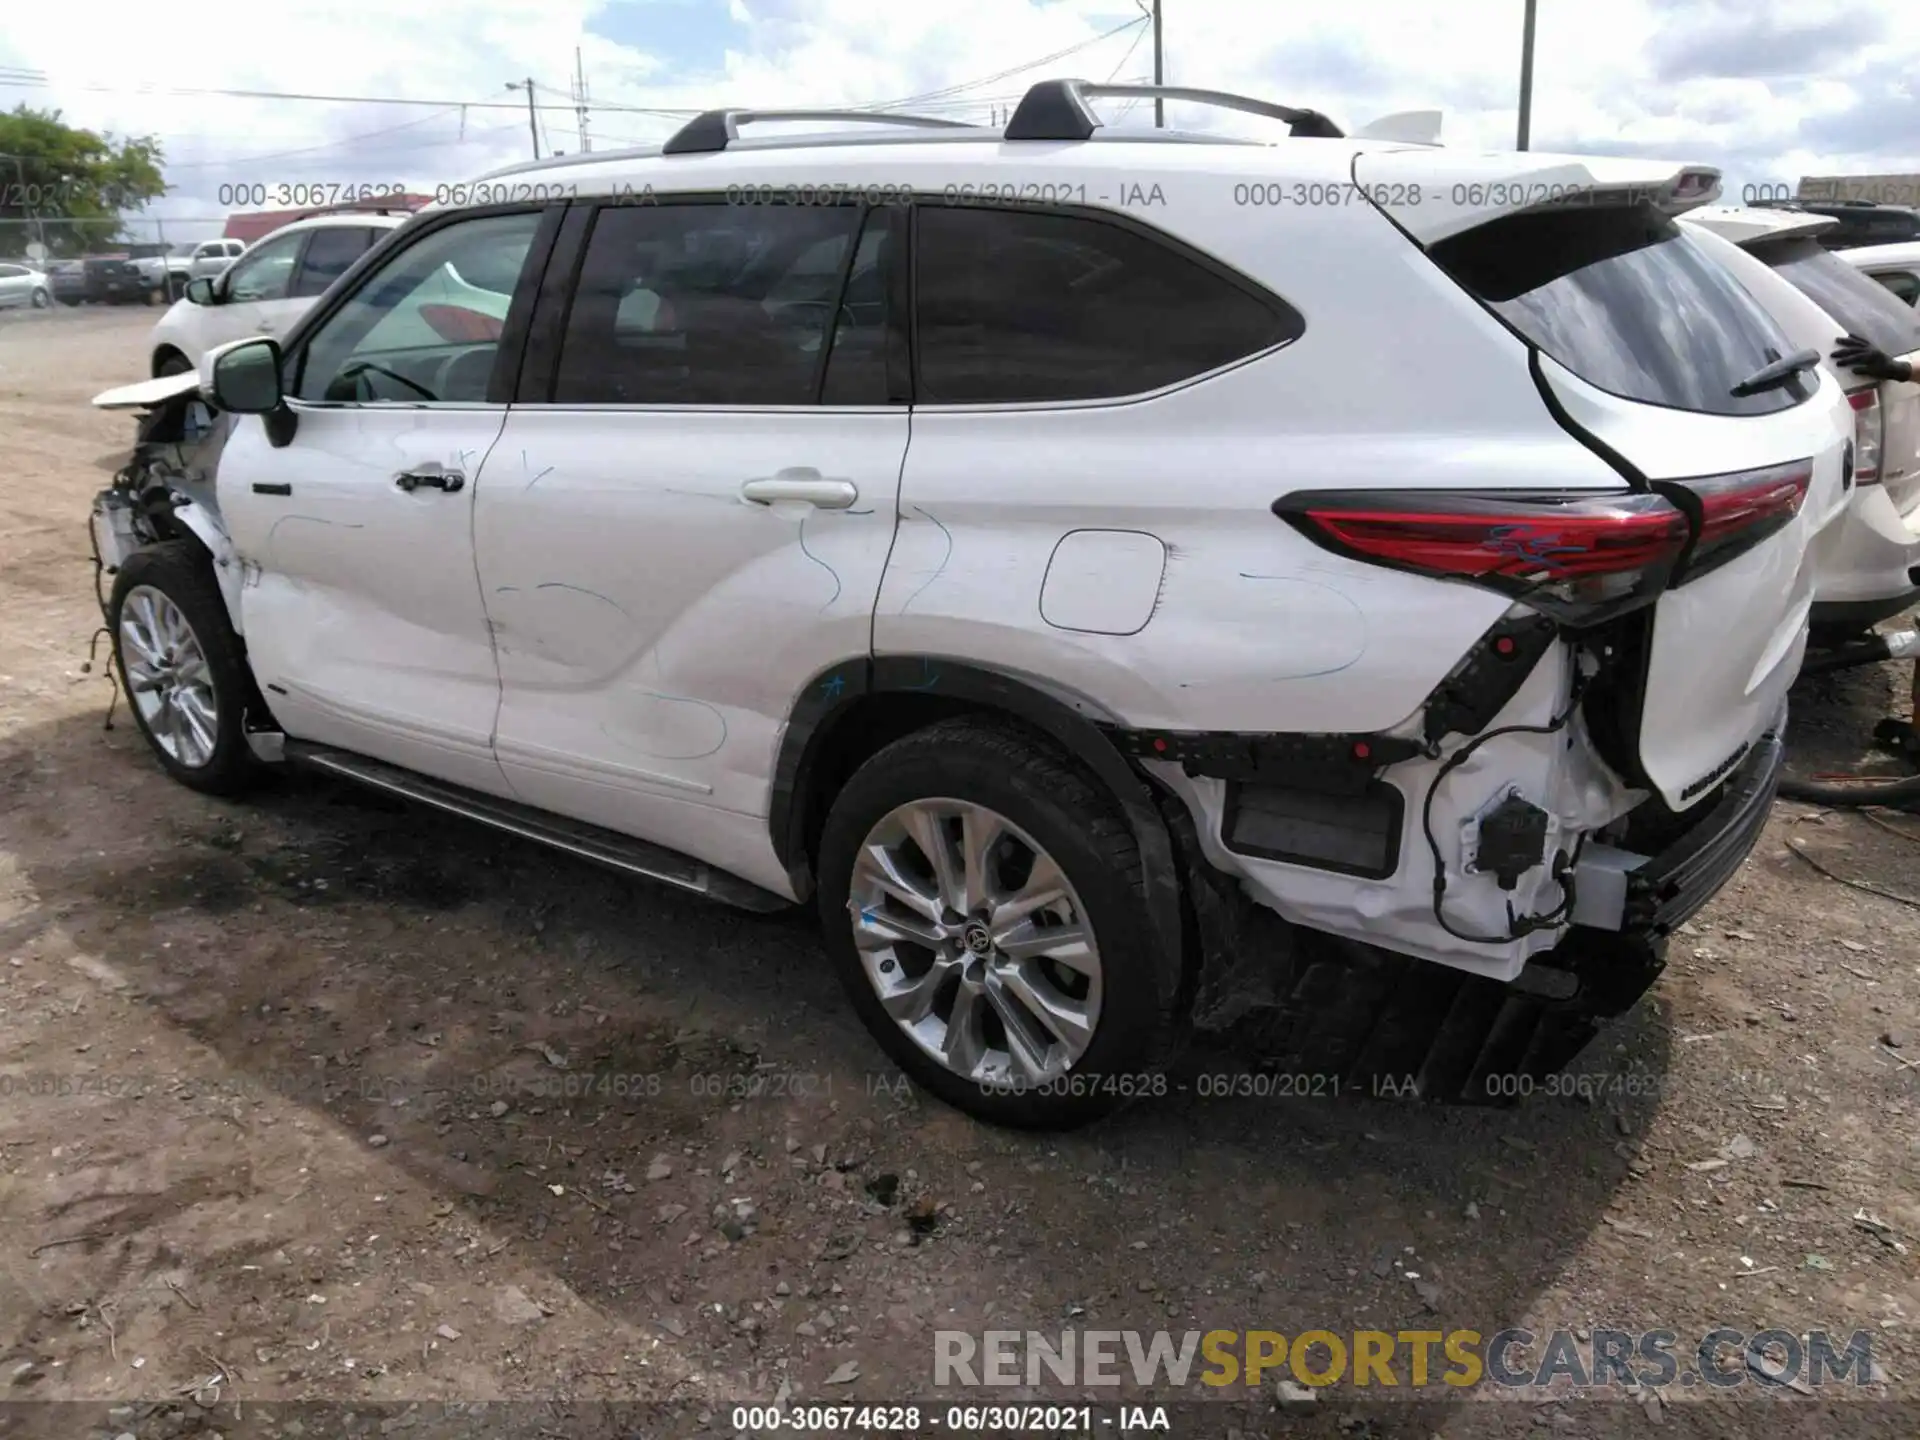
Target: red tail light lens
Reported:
[(1868, 432), (1578, 557), (1738, 511)]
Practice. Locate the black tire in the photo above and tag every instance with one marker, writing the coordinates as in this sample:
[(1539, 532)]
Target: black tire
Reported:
[(1070, 815), (41, 300), (173, 363), (179, 571)]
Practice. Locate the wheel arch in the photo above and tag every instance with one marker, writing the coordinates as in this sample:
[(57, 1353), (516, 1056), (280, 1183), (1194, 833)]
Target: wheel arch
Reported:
[(199, 527), (163, 353), (851, 710)]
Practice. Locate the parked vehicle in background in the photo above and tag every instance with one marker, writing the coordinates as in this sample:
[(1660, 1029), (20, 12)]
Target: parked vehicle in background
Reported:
[(1897, 267), (68, 281), (116, 280), (210, 257), (1868, 568), (1083, 629), (23, 285), (166, 268), (1857, 222), (266, 289)]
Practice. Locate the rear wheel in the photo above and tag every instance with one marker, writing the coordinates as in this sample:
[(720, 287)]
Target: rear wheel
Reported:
[(181, 663), (984, 903)]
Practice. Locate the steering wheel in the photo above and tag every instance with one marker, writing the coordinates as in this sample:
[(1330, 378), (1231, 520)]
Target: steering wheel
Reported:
[(355, 370)]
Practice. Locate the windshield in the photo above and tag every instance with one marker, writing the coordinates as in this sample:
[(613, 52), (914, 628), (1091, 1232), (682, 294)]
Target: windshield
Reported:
[(1860, 304), (1626, 301)]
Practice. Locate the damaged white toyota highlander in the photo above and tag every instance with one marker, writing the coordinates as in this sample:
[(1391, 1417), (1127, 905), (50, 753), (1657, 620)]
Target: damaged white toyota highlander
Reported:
[(1337, 592)]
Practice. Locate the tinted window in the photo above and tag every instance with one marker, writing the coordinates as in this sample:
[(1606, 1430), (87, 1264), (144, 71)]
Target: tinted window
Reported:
[(1017, 306), (705, 305), (421, 326), (1627, 302), (1862, 307), (329, 253)]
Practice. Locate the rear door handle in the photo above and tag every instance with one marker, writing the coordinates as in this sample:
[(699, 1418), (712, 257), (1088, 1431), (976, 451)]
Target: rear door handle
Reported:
[(802, 483), (430, 478)]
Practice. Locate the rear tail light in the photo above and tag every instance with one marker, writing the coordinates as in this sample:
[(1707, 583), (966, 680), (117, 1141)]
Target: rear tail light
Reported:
[(1736, 512), (1578, 557), (1869, 429)]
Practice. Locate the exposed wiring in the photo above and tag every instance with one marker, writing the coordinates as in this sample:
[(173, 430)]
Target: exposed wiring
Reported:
[(1564, 864)]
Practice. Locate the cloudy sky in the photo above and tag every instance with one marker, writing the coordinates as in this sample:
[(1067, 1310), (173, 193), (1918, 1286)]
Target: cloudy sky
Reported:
[(1766, 89)]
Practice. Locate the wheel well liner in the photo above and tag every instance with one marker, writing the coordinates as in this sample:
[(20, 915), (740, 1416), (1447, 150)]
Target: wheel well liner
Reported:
[(850, 710)]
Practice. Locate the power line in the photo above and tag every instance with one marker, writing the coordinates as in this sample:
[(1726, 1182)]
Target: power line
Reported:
[(1000, 74), (312, 149)]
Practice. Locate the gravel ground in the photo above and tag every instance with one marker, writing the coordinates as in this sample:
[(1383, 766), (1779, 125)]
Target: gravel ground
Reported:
[(338, 1102)]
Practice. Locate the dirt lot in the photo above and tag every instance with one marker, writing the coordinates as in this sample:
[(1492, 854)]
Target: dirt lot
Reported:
[(335, 1101)]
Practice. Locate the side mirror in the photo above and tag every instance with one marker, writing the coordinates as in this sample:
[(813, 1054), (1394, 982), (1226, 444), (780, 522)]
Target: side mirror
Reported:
[(200, 291), (246, 377), (243, 377)]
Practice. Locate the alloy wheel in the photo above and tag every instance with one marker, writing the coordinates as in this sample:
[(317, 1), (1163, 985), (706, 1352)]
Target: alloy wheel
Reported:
[(168, 678), (975, 942)]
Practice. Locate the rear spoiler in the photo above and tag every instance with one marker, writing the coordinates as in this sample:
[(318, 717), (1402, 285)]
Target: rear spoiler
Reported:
[(1434, 194), (1410, 127)]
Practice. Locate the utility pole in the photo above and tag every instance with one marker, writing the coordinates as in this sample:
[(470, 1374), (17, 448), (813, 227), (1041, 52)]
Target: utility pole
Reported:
[(533, 118), (1159, 69), (1526, 76), (580, 100)]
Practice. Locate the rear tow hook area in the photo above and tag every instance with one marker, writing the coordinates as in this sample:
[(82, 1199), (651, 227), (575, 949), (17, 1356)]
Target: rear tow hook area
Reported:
[(1362, 1019)]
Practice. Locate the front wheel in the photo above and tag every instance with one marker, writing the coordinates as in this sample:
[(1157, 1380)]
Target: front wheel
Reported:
[(181, 663), (172, 364), (984, 903), (41, 299)]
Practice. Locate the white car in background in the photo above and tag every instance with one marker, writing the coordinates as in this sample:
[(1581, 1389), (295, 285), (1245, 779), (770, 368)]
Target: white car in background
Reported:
[(24, 285), (1868, 566), (210, 257), (1895, 266), (265, 290)]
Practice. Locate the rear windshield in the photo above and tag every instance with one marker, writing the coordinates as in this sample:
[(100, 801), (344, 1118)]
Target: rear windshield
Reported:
[(1862, 305), (1628, 303)]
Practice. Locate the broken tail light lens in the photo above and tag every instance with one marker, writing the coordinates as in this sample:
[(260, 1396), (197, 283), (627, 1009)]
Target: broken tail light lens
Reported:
[(1738, 511), (1869, 431), (1576, 556)]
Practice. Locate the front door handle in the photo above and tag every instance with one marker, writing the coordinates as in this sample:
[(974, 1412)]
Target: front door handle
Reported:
[(430, 478), (802, 483)]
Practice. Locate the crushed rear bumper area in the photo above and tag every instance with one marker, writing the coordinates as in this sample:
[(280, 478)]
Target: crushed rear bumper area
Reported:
[(1307, 1004)]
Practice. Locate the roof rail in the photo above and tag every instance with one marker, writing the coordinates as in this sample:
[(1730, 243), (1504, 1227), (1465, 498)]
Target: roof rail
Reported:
[(716, 129), (1058, 110)]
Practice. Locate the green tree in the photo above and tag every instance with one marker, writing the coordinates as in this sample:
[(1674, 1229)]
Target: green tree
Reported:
[(67, 187)]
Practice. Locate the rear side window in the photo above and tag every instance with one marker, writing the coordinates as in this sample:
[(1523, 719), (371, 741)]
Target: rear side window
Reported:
[(1862, 307), (329, 252), (1905, 286), (708, 304), (1017, 306), (1628, 303)]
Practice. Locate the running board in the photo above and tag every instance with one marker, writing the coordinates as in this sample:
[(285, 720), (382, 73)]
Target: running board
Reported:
[(589, 842)]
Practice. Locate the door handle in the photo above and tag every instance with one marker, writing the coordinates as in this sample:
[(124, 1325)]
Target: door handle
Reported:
[(433, 478), (802, 483)]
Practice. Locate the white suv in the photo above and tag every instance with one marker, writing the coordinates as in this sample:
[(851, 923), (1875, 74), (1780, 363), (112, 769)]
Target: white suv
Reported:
[(1868, 566), (1130, 583), (265, 289)]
